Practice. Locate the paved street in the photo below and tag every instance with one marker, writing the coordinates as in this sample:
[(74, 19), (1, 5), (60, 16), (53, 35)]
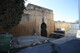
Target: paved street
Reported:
[(72, 46), (67, 44), (43, 48)]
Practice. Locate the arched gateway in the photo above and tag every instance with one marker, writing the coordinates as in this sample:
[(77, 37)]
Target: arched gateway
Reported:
[(43, 29)]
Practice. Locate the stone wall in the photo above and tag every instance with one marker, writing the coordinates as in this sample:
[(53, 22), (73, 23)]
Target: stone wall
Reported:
[(31, 21), (36, 15), (62, 25)]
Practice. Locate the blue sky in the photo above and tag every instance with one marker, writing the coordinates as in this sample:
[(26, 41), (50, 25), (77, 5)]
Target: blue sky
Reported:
[(64, 10)]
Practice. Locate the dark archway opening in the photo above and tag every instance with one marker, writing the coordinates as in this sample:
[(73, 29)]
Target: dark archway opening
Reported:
[(43, 29)]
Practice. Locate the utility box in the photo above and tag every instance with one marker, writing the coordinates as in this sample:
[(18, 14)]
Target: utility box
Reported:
[(5, 42)]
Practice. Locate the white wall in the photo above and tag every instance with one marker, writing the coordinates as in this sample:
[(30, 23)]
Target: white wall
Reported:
[(74, 26)]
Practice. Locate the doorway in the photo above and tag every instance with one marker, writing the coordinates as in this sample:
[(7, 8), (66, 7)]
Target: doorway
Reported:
[(43, 29)]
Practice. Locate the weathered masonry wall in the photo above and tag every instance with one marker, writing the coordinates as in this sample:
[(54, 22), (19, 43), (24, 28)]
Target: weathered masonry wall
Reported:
[(31, 21), (62, 25), (35, 18)]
